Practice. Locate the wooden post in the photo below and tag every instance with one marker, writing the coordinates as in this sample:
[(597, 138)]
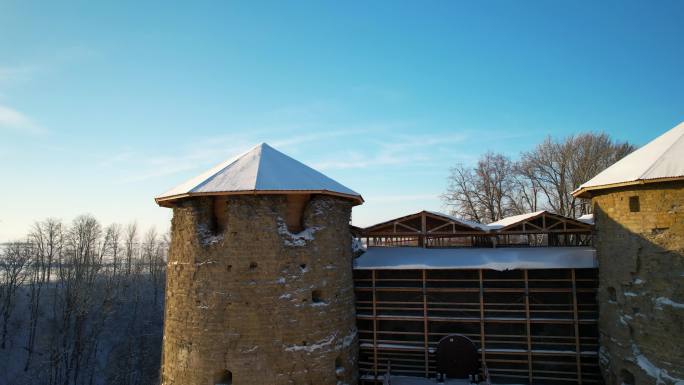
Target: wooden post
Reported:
[(529, 331), (423, 230), (575, 313), (426, 345), (482, 325), (375, 330)]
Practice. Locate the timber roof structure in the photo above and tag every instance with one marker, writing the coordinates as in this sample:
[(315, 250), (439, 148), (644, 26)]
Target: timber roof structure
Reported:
[(660, 160), (261, 170), (539, 222)]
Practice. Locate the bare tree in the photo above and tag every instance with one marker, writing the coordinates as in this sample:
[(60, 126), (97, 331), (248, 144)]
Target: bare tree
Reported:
[(131, 239), (559, 167), (46, 239), (94, 305), (483, 193), (13, 272), (543, 178)]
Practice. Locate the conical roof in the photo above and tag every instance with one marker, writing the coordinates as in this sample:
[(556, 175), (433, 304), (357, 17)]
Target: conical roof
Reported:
[(261, 170), (662, 159)]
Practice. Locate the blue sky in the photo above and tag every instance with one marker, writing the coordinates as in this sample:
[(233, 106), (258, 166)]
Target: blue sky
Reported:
[(104, 105)]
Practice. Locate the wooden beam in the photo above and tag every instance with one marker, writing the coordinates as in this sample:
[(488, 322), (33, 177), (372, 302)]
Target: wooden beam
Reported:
[(426, 345), (528, 328), (578, 350), (482, 317), (375, 329), (406, 226)]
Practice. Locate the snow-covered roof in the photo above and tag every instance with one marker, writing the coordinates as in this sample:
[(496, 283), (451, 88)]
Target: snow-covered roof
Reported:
[(587, 218), (505, 222), (465, 222), (660, 159), (505, 258), (262, 169)]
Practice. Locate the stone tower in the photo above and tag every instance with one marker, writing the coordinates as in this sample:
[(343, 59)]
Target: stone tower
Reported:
[(639, 213), (259, 278)]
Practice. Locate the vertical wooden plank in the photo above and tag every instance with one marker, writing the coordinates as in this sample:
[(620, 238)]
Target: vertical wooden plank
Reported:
[(375, 330), (575, 313), (426, 345), (529, 331), (423, 229), (482, 324)]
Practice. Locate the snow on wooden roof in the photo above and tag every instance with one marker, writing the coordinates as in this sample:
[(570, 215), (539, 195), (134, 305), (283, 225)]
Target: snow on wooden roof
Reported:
[(505, 222), (473, 224), (539, 221), (506, 258), (262, 169), (661, 159), (587, 218), (403, 224)]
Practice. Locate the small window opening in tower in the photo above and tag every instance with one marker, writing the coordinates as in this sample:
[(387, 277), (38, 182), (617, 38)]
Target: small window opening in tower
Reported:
[(296, 203), (253, 265), (224, 378), (317, 296), (634, 204), (220, 215), (612, 295)]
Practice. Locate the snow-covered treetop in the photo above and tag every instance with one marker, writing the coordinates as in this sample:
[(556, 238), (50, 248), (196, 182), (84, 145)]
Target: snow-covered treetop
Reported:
[(660, 159), (262, 169)]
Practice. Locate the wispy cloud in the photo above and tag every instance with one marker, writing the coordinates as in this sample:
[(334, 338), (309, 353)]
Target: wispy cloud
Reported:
[(202, 153), (16, 73), (398, 149), (13, 120)]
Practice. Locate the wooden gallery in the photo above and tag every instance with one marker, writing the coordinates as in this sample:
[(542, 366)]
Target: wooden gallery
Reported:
[(523, 289)]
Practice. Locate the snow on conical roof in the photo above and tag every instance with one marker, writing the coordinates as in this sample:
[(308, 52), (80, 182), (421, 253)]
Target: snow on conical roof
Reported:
[(662, 159), (261, 170)]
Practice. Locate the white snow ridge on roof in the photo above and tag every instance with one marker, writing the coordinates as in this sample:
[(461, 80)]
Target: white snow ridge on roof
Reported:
[(661, 158), (500, 224), (261, 169)]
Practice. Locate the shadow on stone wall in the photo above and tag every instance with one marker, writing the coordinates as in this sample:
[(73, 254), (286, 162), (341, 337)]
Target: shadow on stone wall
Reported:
[(641, 290)]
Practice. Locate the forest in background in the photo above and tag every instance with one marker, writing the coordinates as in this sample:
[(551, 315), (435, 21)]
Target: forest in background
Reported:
[(82, 304)]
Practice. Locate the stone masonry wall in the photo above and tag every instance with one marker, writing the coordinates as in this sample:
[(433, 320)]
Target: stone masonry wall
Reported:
[(641, 294), (256, 302)]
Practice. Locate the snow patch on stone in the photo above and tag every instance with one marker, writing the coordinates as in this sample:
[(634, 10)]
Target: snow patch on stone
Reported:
[(207, 237), (624, 318), (630, 294), (299, 239), (663, 301), (326, 342), (250, 350), (661, 375), (347, 340)]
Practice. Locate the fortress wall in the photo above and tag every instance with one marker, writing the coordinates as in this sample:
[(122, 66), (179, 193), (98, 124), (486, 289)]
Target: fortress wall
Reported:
[(249, 302), (641, 296)]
